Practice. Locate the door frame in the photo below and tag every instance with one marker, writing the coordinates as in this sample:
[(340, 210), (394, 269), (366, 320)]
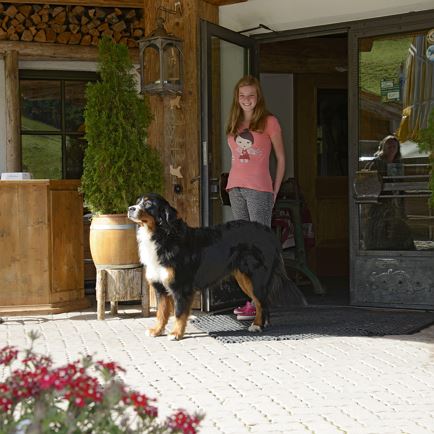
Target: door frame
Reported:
[(208, 31)]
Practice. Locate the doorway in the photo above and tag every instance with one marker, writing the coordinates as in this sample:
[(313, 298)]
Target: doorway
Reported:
[(311, 103), (318, 157)]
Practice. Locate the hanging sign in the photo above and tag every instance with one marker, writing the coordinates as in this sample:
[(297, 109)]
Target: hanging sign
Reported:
[(390, 90)]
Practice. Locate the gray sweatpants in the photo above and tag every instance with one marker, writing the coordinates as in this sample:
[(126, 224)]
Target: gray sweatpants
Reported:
[(252, 205)]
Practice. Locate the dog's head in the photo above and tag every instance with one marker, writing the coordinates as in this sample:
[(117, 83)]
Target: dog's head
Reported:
[(153, 211)]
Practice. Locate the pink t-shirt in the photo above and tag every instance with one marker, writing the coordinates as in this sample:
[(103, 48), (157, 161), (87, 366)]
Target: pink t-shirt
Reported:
[(251, 157)]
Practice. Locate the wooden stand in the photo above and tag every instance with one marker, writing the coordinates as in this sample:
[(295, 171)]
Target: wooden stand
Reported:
[(41, 247), (118, 284)]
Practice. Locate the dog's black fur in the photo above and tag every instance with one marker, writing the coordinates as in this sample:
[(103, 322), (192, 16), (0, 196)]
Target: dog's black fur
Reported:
[(180, 260)]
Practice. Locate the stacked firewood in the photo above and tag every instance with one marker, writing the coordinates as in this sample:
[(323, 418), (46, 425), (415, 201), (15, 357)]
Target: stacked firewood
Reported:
[(69, 24)]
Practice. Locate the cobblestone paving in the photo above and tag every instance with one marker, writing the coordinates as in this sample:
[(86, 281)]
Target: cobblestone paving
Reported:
[(321, 385)]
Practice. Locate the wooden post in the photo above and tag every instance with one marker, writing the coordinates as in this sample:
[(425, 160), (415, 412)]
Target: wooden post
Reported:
[(101, 284), (175, 128), (145, 294), (13, 145)]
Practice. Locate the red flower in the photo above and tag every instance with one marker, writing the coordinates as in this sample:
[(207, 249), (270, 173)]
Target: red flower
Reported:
[(8, 355), (183, 422)]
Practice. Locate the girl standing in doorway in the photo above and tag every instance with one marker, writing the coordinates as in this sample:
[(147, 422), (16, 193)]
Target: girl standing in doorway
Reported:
[(253, 132)]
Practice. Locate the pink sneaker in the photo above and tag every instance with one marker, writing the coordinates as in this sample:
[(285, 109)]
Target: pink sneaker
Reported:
[(240, 309), (248, 312)]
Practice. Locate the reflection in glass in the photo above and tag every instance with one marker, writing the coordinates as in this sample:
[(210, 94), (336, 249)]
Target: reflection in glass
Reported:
[(332, 132), (396, 95), (74, 105), (40, 105), (228, 65), (75, 146), (42, 156)]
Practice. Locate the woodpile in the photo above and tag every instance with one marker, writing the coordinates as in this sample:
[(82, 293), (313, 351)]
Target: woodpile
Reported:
[(76, 25)]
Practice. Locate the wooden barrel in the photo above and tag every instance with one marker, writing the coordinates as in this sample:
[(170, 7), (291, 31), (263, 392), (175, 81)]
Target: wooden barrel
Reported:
[(113, 241)]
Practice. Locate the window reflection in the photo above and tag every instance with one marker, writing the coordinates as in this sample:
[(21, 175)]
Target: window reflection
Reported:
[(42, 156), (40, 105), (74, 105), (396, 96)]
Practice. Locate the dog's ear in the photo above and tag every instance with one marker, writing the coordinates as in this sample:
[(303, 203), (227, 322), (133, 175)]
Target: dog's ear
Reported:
[(167, 215)]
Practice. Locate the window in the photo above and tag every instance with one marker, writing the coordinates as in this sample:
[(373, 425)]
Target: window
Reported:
[(52, 122), (396, 97)]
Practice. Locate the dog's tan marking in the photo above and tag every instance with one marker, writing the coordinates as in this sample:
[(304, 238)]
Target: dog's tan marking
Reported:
[(246, 285), (170, 277), (181, 323), (148, 221), (164, 310)]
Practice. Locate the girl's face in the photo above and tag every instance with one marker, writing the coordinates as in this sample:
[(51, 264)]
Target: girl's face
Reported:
[(247, 98), (390, 149)]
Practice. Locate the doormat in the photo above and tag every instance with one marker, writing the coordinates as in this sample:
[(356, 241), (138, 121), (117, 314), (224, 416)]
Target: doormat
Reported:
[(312, 322)]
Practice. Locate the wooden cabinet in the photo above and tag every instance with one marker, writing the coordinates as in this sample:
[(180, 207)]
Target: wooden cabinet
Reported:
[(41, 247)]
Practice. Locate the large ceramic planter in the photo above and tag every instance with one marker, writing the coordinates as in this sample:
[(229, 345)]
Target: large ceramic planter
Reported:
[(113, 242)]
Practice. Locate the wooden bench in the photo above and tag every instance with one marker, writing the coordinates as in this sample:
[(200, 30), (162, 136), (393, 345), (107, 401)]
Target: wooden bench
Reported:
[(370, 187)]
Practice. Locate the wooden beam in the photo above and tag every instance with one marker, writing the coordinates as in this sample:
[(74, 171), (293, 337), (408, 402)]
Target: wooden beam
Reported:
[(13, 146), (100, 3), (224, 2), (314, 55), (47, 51)]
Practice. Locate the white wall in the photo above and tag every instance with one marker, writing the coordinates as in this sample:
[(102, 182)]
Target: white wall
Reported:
[(2, 117), (278, 94), (292, 14)]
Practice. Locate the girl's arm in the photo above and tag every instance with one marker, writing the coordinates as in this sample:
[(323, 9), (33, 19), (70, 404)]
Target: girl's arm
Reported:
[(279, 151)]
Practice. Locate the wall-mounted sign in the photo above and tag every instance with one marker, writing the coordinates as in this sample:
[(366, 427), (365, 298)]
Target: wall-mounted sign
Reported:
[(430, 53)]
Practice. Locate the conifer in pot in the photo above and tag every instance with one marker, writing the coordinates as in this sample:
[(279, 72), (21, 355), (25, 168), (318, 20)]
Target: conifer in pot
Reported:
[(119, 165)]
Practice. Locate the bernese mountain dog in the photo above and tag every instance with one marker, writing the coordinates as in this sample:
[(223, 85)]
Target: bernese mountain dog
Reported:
[(180, 259)]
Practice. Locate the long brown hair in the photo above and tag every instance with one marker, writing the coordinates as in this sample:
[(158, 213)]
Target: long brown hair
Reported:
[(380, 150), (260, 112)]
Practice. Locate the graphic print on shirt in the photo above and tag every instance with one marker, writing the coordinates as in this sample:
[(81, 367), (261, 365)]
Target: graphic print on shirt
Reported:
[(245, 148)]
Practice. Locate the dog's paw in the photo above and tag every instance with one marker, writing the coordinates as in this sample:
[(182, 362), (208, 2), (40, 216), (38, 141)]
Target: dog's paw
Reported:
[(174, 337), (254, 328), (154, 332)]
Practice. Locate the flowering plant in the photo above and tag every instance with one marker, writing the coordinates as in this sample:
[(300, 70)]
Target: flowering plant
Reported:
[(84, 396)]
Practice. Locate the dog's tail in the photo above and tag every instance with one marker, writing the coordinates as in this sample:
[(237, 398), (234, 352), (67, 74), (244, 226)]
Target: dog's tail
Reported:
[(282, 290)]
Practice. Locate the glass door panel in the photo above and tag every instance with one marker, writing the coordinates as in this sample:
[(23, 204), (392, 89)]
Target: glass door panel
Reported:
[(393, 243), (396, 95)]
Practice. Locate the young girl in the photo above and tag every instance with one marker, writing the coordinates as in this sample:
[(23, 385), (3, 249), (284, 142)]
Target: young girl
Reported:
[(252, 133)]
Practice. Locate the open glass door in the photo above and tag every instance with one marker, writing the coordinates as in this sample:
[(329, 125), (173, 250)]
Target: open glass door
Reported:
[(392, 245), (225, 57)]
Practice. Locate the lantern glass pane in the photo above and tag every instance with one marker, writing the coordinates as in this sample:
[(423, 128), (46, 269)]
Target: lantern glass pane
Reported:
[(151, 63), (171, 64)]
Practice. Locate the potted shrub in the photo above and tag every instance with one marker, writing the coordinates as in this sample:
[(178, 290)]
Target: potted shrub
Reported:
[(426, 143), (119, 165)]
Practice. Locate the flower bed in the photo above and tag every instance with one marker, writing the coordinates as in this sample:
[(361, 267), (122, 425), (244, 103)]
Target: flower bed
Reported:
[(85, 396)]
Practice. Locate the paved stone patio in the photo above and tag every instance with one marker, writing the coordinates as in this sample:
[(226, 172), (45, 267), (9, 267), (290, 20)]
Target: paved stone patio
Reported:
[(320, 385)]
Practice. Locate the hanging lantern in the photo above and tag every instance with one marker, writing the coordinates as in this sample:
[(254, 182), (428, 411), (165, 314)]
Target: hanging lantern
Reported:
[(161, 69)]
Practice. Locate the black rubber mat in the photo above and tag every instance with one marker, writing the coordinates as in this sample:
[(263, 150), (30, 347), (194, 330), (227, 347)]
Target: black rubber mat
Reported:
[(310, 322)]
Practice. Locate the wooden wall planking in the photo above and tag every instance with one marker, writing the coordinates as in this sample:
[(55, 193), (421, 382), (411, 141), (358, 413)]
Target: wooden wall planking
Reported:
[(176, 131)]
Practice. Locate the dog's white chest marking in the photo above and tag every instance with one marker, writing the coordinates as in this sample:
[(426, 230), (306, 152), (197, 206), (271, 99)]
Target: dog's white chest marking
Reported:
[(149, 258)]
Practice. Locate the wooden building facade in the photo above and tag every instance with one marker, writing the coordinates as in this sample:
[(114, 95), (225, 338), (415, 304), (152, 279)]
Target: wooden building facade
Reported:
[(322, 69)]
